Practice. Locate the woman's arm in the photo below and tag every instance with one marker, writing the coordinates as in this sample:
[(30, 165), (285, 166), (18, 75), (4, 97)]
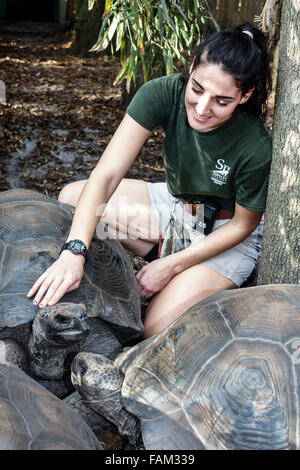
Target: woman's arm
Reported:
[(154, 276), (66, 272), (104, 179)]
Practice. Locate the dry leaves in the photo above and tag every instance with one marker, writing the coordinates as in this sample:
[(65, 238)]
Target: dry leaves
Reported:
[(60, 113)]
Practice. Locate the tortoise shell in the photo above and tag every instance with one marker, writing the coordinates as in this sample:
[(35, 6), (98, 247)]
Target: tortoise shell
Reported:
[(33, 228), (31, 418), (225, 375)]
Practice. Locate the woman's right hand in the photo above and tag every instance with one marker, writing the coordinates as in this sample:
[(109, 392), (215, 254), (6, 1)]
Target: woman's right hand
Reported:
[(63, 276)]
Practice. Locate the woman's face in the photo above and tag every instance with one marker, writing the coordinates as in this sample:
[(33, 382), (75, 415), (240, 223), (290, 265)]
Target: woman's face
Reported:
[(211, 97)]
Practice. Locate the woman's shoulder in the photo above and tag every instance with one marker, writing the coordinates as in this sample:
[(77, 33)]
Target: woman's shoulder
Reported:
[(255, 131), (167, 87), (254, 123), (254, 146), (154, 101), (168, 81)]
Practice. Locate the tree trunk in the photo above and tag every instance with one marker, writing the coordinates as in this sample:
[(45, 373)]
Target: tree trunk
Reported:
[(87, 28), (279, 261), (269, 21)]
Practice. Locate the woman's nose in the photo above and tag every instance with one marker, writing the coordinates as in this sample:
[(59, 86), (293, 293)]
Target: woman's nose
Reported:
[(203, 104)]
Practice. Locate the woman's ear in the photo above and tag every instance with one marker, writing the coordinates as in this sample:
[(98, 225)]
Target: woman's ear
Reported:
[(246, 96)]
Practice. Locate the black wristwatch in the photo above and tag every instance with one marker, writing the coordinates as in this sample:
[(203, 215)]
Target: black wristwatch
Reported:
[(77, 247)]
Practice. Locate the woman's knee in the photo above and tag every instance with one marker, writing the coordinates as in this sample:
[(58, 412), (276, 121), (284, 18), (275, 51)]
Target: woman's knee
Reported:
[(183, 291), (71, 192)]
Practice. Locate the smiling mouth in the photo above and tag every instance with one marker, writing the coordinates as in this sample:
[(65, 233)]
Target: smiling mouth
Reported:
[(201, 118)]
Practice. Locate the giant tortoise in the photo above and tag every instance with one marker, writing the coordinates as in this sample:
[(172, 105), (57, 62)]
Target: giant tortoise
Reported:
[(100, 316), (225, 375), (32, 418)]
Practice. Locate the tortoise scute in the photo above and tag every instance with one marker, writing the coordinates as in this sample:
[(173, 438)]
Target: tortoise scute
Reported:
[(15, 311), (33, 418), (170, 432), (222, 376), (114, 265), (243, 404), (22, 221)]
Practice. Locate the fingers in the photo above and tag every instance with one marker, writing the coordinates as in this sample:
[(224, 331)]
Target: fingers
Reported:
[(139, 275), (153, 277), (61, 277), (37, 284), (144, 292), (55, 292), (47, 284), (51, 291)]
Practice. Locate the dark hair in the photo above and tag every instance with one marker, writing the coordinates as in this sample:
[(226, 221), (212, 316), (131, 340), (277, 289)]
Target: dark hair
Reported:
[(244, 57)]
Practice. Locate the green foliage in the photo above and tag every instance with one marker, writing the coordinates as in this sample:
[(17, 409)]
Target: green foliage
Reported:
[(150, 34)]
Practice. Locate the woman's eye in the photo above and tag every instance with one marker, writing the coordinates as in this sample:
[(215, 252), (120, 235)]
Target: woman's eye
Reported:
[(198, 92), (221, 103)]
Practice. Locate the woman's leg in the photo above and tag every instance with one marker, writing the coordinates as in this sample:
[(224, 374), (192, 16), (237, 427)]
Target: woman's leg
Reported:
[(182, 292), (128, 214)]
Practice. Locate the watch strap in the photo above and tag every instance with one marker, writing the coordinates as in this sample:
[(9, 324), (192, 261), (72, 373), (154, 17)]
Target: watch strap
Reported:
[(77, 247)]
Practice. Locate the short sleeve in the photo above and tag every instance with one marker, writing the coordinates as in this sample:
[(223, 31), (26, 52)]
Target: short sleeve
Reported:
[(252, 188), (151, 103), (252, 177)]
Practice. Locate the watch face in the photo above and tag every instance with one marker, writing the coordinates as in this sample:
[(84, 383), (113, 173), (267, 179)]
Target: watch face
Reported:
[(78, 247)]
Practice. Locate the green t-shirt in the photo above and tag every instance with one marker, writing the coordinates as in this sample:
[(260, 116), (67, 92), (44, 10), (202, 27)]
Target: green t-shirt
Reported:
[(230, 163)]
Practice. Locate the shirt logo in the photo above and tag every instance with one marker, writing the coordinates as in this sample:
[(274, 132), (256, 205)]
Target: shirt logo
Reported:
[(220, 173)]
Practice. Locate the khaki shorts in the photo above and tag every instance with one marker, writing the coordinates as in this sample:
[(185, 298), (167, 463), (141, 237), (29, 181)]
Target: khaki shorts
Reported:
[(237, 263)]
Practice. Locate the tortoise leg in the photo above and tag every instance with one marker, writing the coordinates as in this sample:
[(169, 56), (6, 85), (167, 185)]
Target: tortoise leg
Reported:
[(12, 353), (96, 422), (62, 388), (99, 382)]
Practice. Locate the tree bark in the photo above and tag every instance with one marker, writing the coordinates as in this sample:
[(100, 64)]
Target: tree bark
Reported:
[(87, 28), (279, 262)]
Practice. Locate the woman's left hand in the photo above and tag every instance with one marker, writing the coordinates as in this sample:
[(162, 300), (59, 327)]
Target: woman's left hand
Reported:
[(153, 277)]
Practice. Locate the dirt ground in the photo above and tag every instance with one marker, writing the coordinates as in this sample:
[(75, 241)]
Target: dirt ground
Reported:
[(60, 113)]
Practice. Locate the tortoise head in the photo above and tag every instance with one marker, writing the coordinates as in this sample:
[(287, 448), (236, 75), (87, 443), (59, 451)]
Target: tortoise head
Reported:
[(99, 382), (62, 324), (94, 376)]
